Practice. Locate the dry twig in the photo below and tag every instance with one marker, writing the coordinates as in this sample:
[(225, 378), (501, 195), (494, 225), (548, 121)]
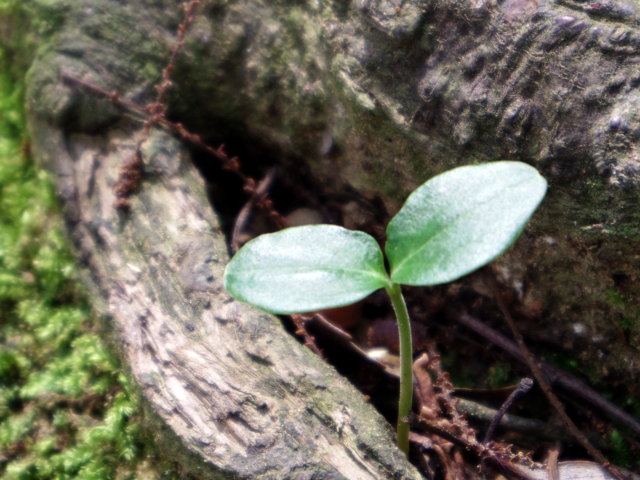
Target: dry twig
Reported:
[(556, 377), (243, 217), (154, 114), (544, 385), (552, 461), (525, 386), (131, 171), (309, 340), (500, 458)]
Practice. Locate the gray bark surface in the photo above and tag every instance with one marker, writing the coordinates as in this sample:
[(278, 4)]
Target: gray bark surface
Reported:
[(232, 386), (371, 95)]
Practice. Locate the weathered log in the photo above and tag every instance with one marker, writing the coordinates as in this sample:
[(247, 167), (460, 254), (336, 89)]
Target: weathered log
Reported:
[(375, 96), (231, 384)]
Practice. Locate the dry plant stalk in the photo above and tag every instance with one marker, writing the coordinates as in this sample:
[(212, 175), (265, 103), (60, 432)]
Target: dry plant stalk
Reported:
[(132, 169), (309, 340), (154, 113), (501, 457)]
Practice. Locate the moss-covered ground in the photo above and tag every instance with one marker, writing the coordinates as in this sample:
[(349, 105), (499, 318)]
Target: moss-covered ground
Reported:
[(67, 410)]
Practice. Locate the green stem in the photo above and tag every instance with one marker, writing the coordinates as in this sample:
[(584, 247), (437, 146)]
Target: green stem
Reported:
[(406, 365)]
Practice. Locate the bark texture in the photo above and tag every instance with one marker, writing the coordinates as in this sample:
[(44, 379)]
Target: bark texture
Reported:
[(374, 96), (232, 386)]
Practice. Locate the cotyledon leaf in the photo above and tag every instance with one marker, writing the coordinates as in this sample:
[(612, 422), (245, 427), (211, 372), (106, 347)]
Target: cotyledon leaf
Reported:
[(304, 269), (461, 220)]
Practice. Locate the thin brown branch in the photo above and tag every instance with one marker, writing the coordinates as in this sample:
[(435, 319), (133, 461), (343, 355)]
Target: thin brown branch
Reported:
[(243, 217), (228, 163), (552, 461), (524, 386), (132, 169), (157, 110), (445, 463), (309, 340), (530, 427), (544, 385), (423, 444), (499, 459), (445, 396), (128, 179), (556, 377), (163, 86), (114, 96)]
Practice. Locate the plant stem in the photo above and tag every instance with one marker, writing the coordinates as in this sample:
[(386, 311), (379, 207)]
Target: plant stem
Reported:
[(406, 365)]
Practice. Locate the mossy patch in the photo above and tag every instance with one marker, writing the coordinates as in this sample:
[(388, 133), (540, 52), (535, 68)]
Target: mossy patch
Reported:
[(67, 410), (615, 297)]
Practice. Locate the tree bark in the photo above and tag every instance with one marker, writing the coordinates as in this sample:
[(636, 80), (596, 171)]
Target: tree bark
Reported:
[(232, 386), (373, 96)]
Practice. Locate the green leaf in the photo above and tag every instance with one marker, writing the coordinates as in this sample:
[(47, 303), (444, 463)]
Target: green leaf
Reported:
[(461, 220), (304, 269)]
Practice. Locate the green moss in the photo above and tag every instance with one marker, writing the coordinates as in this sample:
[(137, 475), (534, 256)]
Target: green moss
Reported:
[(615, 297), (614, 213), (625, 324), (620, 453), (66, 408), (151, 72), (500, 375), (463, 374)]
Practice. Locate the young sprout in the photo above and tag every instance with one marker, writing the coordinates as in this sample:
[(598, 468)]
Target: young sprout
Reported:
[(450, 226)]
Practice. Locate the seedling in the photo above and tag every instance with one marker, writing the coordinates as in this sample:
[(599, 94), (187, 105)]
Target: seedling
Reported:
[(451, 225)]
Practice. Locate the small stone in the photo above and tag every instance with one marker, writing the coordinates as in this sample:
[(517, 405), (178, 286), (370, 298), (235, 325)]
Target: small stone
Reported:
[(327, 144), (618, 123)]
